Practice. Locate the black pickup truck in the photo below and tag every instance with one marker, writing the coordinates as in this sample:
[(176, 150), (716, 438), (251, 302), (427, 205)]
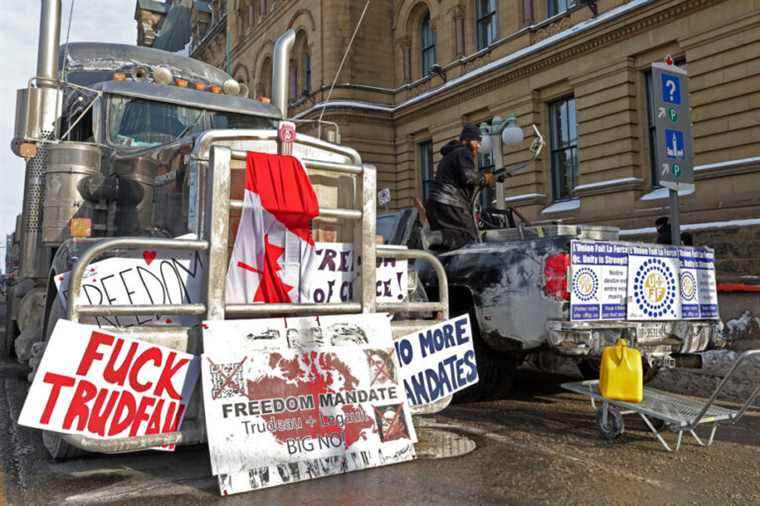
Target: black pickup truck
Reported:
[(515, 286)]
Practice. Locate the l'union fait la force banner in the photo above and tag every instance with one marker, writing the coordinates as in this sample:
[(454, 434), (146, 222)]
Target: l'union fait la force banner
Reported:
[(633, 281), (104, 385), (288, 400)]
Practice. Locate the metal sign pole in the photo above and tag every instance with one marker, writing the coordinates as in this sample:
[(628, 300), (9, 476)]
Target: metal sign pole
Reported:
[(674, 151), (675, 224)]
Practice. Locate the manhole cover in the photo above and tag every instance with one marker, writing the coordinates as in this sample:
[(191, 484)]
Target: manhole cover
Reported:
[(441, 444)]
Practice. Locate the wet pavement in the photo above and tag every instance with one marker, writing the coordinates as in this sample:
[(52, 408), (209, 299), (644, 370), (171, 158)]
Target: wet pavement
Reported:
[(540, 446)]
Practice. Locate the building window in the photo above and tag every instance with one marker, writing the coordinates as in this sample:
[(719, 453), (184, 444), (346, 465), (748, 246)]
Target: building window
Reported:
[(426, 166), (306, 74), (558, 6), (564, 147), (427, 43), (293, 80), (486, 22), (651, 131)]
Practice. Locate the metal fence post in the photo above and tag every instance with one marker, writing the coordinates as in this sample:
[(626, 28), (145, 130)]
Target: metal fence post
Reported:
[(217, 221), (365, 233)]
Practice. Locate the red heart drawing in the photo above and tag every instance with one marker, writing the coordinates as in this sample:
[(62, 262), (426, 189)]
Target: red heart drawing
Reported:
[(149, 256)]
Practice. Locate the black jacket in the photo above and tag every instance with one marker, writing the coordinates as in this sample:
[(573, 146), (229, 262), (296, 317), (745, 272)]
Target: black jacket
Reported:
[(457, 177)]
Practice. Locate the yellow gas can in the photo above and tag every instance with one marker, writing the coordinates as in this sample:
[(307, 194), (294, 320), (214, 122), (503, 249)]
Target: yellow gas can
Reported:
[(622, 376)]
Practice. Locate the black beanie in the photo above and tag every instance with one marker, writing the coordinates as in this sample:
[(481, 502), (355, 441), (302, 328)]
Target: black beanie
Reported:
[(470, 132)]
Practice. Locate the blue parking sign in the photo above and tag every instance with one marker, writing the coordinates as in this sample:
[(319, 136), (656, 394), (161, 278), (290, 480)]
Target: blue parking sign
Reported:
[(675, 146), (671, 89)]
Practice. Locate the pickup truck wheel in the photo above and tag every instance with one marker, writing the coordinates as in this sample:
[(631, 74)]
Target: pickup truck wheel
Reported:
[(589, 368), (650, 373), (496, 374), (54, 443)]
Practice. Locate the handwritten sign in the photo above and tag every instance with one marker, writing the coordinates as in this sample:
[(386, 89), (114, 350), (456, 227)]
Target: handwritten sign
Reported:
[(104, 385), (333, 275), (302, 398), (438, 361), (154, 277)]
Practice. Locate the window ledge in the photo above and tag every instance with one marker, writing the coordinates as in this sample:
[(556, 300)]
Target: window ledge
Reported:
[(664, 193), (563, 206)]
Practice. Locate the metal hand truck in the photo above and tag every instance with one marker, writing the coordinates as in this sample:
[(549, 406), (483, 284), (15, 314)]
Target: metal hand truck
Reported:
[(665, 410)]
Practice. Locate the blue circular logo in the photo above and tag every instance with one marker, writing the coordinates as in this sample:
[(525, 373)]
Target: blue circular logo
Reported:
[(585, 284), (654, 288), (688, 286)]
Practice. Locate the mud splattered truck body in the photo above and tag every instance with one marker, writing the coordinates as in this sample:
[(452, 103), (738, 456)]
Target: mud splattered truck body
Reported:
[(517, 286)]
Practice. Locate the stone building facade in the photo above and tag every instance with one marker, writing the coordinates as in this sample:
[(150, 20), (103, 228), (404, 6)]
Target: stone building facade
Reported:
[(579, 74)]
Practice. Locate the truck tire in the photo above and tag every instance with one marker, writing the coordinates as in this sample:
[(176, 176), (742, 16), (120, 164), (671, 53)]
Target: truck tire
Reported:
[(54, 443), (496, 371)]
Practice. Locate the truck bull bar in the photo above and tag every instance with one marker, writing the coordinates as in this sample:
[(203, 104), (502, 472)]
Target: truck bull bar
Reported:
[(214, 229)]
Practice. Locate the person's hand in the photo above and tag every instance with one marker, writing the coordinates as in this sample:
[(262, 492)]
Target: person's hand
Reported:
[(489, 179)]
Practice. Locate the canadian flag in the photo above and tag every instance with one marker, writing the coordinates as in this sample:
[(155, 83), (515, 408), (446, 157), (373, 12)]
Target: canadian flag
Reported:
[(274, 242)]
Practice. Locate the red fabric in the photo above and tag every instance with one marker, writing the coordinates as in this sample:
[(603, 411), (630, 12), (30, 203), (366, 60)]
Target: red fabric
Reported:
[(285, 191)]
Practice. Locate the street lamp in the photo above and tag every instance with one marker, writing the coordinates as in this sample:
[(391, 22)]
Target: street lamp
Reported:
[(495, 135)]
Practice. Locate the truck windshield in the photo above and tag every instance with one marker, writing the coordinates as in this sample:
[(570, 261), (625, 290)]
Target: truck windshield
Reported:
[(143, 123)]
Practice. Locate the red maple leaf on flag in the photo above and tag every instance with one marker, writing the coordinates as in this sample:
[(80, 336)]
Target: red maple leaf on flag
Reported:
[(271, 287)]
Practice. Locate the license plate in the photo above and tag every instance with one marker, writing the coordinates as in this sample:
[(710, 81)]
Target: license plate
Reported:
[(648, 334)]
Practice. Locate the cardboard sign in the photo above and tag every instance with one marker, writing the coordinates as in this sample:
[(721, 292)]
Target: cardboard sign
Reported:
[(333, 277), (154, 277), (106, 386), (633, 281), (438, 361), (296, 399)]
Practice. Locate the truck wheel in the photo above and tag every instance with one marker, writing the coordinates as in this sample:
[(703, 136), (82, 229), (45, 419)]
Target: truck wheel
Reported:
[(496, 372), (650, 373), (589, 368), (54, 443)]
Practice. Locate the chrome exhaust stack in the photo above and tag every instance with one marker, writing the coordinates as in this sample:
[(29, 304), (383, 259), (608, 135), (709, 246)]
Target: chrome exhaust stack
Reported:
[(38, 110), (281, 70)]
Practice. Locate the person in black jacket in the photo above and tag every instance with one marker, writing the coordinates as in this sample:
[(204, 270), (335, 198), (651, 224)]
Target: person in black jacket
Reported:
[(450, 202)]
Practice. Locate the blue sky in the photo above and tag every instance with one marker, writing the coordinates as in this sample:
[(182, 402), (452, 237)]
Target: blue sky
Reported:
[(93, 20)]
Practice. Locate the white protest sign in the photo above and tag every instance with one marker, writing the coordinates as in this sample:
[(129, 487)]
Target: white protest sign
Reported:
[(699, 265), (290, 400), (654, 287), (333, 275), (599, 280), (153, 277), (106, 386), (437, 361), (634, 281)]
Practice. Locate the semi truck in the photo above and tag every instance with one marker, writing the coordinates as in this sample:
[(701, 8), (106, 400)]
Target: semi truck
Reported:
[(130, 149)]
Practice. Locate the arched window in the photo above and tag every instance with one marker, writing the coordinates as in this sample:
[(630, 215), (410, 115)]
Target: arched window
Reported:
[(301, 73), (293, 85), (427, 44), (306, 62), (264, 86)]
